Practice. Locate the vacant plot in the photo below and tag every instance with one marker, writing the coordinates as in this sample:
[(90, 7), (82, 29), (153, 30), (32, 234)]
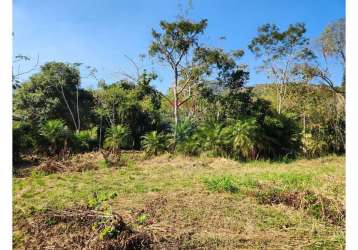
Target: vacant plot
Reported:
[(176, 202)]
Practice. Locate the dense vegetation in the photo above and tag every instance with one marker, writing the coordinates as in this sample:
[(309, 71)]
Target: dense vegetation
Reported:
[(207, 109)]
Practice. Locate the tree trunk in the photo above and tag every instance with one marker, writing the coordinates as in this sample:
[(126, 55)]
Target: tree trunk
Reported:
[(278, 98), (100, 135), (68, 107), (78, 110), (176, 104)]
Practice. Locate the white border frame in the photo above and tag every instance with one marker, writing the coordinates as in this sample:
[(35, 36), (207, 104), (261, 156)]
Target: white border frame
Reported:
[(6, 123)]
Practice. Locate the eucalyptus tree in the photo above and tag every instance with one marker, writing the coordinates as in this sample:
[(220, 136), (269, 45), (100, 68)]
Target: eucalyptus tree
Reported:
[(281, 51)]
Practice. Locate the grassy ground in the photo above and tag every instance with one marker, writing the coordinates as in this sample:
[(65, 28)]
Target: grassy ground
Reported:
[(206, 203)]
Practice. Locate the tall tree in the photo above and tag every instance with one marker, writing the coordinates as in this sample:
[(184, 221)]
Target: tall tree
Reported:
[(53, 93), (281, 51), (173, 47), (331, 45)]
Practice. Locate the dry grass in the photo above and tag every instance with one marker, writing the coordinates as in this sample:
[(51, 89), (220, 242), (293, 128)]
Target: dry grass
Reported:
[(299, 205)]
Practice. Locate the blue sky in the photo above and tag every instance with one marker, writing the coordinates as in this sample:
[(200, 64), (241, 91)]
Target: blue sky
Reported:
[(100, 32)]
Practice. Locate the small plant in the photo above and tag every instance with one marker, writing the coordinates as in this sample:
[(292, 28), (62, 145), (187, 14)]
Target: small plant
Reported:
[(222, 184), (37, 173), (142, 218), (103, 163), (108, 232), (97, 198)]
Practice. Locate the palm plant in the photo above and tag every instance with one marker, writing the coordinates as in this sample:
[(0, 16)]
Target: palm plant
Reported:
[(116, 137), (56, 133), (244, 133), (214, 138), (154, 143), (187, 140), (84, 138), (184, 130)]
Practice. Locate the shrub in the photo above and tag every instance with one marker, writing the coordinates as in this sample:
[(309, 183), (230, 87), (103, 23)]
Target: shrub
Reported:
[(56, 133), (313, 147), (215, 139), (116, 137), (244, 133), (154, 143), (24, 139), (85, 140)]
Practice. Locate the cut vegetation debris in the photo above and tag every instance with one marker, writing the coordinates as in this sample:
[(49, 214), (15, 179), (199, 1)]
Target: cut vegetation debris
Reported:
[(177, 202), (81, 229)]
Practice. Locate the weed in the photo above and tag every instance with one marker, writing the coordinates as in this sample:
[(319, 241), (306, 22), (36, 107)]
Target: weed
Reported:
[(142, 218), (97, 198), (37, 173), (222, 184), (108, 232)]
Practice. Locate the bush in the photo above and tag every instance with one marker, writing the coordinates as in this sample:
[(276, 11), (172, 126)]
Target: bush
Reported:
[(116, 137), (56, 133), (313, 147), (154, 143), (24, 139), (85, 140), (244, 138)]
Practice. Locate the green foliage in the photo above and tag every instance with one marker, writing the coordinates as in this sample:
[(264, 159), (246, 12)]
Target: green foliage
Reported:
[(85, 139), (135, 105), (222, 184), (155, 143), (218, 114), (142, 218), (108, 232), (56, 133), (178, 36), (52, 94), (333, 40), (244, 134), (24, 139), (214, 138), (313, 147), (187, 140), (99, 197), (116, 137)]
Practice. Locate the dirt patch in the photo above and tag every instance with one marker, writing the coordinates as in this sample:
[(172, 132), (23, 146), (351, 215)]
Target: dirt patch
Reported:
[(315, 204), (81, 228)]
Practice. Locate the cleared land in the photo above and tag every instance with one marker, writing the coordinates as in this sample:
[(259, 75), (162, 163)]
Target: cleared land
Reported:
[(177, 202)]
